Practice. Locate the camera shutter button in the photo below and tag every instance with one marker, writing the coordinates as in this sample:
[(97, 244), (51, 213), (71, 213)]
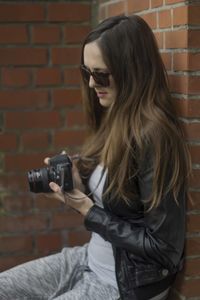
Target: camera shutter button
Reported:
[(165, 272)]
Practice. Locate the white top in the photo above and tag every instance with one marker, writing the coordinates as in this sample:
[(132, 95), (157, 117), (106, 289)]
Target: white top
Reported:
[(100, 253)]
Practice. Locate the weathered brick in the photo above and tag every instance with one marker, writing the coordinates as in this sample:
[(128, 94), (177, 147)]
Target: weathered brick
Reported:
[(66, 56), (48, 76), (22, 12), (13, 35), (16, 77), (19, 99), (70, 12), (137, 5), (23, 56), (46, 34), (36, 120)]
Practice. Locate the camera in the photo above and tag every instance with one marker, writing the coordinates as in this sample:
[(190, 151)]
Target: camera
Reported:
[(58, 171)]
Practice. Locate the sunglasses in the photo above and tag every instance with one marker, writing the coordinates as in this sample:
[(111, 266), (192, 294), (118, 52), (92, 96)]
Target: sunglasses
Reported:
[(101, 78)]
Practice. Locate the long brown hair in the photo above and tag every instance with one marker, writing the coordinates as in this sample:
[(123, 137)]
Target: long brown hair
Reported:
[(142, 118)]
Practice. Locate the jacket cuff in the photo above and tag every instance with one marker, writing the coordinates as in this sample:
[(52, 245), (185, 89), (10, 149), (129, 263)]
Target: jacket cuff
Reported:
[(96, 220)]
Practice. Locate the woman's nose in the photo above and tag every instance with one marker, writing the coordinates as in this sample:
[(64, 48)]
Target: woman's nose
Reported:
[(92, 83)]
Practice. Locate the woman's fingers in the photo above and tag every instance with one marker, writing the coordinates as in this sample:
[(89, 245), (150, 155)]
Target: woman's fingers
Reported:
[(46, 160), (55, 188), (58, 194)]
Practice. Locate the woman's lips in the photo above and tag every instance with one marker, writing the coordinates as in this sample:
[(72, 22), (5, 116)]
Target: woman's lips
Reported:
[(101, 94)]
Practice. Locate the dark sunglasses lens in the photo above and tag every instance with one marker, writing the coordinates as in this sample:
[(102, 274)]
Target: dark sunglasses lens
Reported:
[(85, 74), (101, 78)]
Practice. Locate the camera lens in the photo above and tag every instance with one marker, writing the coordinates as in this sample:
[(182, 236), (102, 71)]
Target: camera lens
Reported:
[(39, 180)]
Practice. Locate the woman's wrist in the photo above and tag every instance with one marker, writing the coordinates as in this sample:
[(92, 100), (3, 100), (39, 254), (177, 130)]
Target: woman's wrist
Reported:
[(85, 209)]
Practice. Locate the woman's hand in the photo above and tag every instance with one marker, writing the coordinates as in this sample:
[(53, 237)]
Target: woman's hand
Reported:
[(75, 198), (76, 176), (77, 182)]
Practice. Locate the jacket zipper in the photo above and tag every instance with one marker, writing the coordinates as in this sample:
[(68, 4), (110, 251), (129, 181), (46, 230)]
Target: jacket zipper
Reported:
[(116, 259)]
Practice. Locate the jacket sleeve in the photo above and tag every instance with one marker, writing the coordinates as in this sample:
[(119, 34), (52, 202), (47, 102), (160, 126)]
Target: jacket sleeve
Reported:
[(157, 237)]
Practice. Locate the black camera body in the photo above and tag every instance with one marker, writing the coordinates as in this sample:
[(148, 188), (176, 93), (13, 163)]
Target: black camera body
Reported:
[(58, 171)]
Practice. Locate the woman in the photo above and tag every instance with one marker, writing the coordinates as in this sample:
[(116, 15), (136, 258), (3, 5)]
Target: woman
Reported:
[(130, 180)]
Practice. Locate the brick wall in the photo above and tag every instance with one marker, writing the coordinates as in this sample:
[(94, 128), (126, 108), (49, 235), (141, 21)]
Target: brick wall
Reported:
[(176, 25), (40, 114)]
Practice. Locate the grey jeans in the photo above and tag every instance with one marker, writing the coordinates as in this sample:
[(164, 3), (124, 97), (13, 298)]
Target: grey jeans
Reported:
[(62, 276)]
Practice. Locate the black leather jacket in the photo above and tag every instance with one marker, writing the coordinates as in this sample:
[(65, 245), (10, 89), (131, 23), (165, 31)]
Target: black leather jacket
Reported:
[(147, 246)]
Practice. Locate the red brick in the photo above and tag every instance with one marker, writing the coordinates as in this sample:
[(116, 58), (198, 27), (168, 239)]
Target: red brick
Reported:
[(46, 34), (69, 138), (34, 140), (167, 60), (150, 18), (75, 34), (194, 13), (159, 39), (192, 267), (75, 118), (194, 202), (62, 98), (186, 61), (22, 203), (176, 39), (16, 77), (194, 38), (47, 243), (22, 223), (178, 84), (23, 56), (137, 5), (117, 8), (9, 244), (43, 202), (66, 220), (22, 12), (190, 288), (194, 61), (48, 76), (195, 179), (156, 3), (13, 182), (39, 119), (11, 261), (78, 238), (180, 15), (66, 56), (8, 142), (70, 12), (193, 246), (188, 108), (72, 76), (180, 61), (13, 35), (193, 131), (181, 106), (23, 99), (23, 162), (193, 223), (102, 12), (164, 18), (194, 85), (195, 154), (173, 1)]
